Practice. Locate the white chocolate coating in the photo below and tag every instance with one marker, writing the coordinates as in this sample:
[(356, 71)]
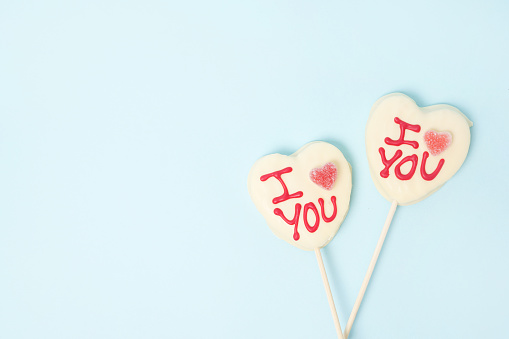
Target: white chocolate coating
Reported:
[(439, 118), (311, 156)]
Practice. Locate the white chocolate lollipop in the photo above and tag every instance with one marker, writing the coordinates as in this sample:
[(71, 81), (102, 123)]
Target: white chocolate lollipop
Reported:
[(304, 197), (413, 151)]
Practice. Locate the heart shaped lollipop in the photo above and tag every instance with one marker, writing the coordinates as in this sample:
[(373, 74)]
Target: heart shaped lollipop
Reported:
[(304, 197), (413, 151)]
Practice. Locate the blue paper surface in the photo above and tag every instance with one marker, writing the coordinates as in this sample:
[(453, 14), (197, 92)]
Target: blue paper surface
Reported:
[(128, 128)]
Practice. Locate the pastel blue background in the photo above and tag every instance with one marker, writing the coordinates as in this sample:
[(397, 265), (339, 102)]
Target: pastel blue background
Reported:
[(127, 130)]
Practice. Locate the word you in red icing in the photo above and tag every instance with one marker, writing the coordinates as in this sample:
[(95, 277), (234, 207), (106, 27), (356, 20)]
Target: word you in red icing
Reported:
[(310, 206), (413, 159), (324, 176)]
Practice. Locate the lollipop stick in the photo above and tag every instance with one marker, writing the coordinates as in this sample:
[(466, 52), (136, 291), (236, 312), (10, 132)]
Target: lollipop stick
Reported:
[(329, 294), (371, 267)]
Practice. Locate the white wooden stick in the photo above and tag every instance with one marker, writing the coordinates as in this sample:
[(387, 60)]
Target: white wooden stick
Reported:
[(371, 267), (328, 292)]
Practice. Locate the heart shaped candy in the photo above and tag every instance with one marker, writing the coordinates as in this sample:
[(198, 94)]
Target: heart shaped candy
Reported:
[(324, 176), (437, 142), (400, 136), (304, 197)]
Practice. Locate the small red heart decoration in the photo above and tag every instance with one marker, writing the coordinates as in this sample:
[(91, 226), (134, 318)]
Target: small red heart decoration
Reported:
[(437, 142), (324, 176)]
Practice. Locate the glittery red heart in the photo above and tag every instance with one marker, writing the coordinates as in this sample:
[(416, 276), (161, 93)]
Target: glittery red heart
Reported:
[(437, 142), (324, 176)]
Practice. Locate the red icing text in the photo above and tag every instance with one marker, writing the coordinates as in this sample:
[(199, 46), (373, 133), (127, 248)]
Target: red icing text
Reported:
[(311, 223), (294, 221), (433, 175), (403, 126), (277, 175), (413, 159)]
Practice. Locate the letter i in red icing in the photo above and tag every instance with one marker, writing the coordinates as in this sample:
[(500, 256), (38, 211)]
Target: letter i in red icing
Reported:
[(403, 126), (278, 175)]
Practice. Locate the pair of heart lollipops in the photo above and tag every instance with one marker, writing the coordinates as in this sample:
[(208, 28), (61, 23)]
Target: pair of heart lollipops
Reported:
[(411, 151)]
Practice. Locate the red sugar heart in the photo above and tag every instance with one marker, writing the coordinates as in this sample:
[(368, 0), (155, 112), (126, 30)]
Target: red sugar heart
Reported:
[(324, 176), (437, 142)]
